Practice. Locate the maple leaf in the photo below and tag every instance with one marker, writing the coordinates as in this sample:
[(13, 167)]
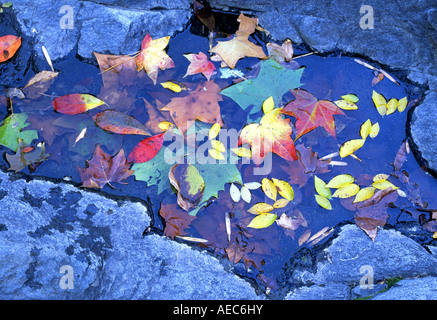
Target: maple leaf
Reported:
[(200, 104), (239, 46), (8, 46), (307, 165), (103, 169), (153, 57), (273, 80), (312, 113), (199, 64), (176, 220), (272, 134)]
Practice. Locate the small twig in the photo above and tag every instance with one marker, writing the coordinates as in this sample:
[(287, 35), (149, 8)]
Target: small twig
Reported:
[(305, 55), (329, 156), (118, 64)]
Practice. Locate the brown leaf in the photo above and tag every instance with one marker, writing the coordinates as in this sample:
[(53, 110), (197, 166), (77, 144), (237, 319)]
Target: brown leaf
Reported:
[(307, 165), (401, 155), (39, 84), (176, 220), (200, 104), (239, 46), (103, 169)]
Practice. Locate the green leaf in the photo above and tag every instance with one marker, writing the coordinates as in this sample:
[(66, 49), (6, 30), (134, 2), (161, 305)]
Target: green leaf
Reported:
[(273, 81), (10, 131), (7, 4), (154, 171)]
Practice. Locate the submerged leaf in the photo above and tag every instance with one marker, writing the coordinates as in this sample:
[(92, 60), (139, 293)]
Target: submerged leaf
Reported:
[(117, 122), (103, 169)]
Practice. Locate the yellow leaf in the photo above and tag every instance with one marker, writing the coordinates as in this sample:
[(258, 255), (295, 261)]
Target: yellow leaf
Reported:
[(280, 203), (364, 194), (365, 129), (350, 98), (268, 105), (216, 154), (384, 184), (165, 125), (350, 147), (402, 104), (172, 86), (374, 130), (269, 188), (218, 145), (434, 236), (323, 202), (378, 99), (321, 187), (382, 110), (261, 207), (346, 105), (263, 220), (340, 181), (214, 131), (242, 152), (284, 189), (392, 106), (380, 177), (346, 191)]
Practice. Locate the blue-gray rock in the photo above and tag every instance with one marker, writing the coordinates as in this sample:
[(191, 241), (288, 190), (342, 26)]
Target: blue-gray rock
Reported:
[(330, 291), (411, 289), (363, 291), (423, 122), (115, 27), (352, 258), (60, 242)]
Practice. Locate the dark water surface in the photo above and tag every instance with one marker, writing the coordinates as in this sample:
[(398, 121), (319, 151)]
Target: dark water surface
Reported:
[(325, 76)]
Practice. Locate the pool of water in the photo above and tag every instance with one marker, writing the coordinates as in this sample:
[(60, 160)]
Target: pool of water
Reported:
[(260, 253)]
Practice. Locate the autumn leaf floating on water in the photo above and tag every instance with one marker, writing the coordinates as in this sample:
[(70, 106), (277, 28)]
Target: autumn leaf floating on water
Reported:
[(312, 113), (199, 63), (8, 47), (200, 104), (240, 46), (103, 169), (76, 103), (153, 57), (386, 108), (272, 134)]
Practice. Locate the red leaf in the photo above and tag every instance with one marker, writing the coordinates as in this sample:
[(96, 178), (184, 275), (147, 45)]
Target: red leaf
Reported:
[(8, 46), (311, 113), (76, 103), (146, 149), (199, 64)]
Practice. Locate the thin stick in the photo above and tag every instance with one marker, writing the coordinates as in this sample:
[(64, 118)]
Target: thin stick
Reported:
[(114, 66), (12, 108), (305, 55)]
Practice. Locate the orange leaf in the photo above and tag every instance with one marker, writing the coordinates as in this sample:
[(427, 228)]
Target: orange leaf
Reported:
[(153, 57), (273, 134), (239, 46), (8, 46), (311, 113)]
